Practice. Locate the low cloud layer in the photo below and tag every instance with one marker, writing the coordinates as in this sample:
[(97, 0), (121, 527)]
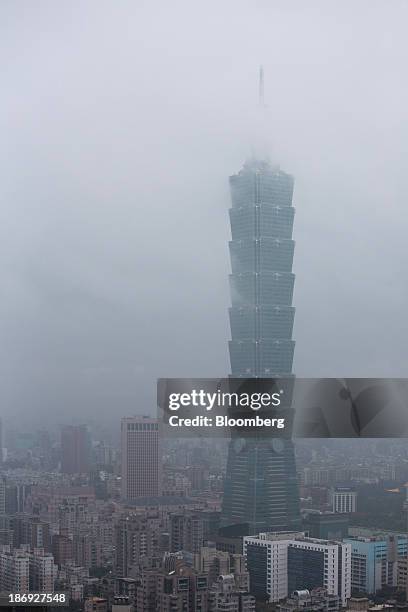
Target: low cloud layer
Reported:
[(121, 123)]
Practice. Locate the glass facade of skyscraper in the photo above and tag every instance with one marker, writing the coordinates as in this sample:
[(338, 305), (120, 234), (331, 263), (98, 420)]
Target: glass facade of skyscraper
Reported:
[(261, 492)]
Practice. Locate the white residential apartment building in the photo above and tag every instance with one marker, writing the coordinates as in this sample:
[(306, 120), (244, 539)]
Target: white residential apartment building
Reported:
[(14, 571), (43, 571)]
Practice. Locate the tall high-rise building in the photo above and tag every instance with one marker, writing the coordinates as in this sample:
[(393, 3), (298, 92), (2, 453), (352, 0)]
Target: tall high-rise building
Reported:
[(2, 494), (261, 491), (1, 441), (141, 460), (75, 449)]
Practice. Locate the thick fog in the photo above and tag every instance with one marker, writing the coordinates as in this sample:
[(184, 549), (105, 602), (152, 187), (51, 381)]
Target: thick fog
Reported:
[(120, 124)]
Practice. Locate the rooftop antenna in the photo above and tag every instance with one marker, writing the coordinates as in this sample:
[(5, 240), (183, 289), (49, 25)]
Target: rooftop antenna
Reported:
[(261, 87), (260, 118)]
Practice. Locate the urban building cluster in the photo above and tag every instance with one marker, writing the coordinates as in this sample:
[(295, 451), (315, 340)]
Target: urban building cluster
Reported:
[(146, 525), (121, 534)]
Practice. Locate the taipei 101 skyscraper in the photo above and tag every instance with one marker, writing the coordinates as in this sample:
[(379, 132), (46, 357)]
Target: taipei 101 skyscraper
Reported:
[(261, 490)]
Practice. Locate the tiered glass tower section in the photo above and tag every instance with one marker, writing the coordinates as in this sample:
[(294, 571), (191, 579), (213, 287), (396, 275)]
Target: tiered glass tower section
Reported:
[(261, 491)]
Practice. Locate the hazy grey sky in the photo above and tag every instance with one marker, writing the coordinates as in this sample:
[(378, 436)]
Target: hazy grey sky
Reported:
[(121, 122)]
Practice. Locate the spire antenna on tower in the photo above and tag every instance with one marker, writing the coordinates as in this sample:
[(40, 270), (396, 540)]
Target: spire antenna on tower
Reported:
[(261, 87)]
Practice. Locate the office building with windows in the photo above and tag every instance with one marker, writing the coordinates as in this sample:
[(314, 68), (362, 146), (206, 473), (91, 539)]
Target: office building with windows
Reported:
[(344, 500), (141, 459), (281, 563), (267, 563), (374, 561), (314, 563)]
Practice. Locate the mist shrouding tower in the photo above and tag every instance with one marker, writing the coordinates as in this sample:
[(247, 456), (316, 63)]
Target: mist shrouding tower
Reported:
[(261, 491)]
